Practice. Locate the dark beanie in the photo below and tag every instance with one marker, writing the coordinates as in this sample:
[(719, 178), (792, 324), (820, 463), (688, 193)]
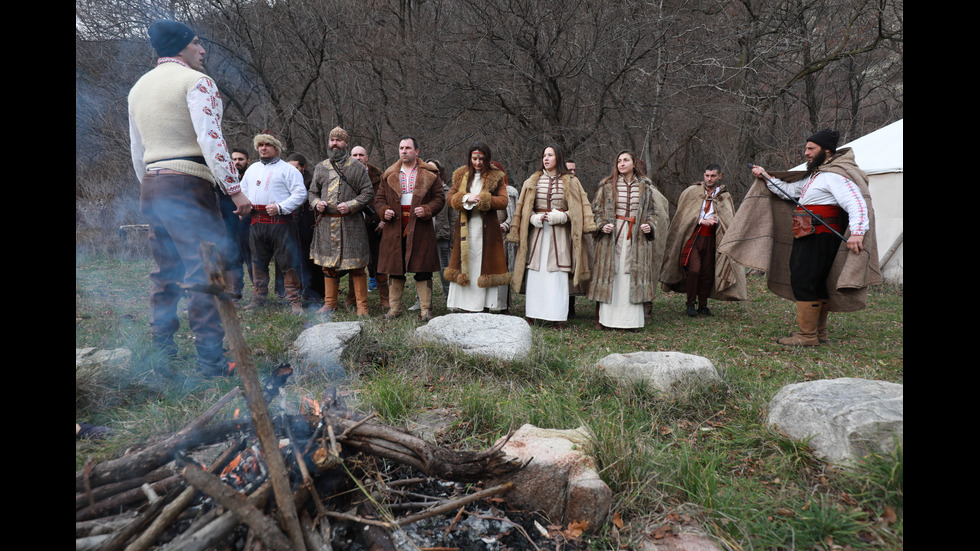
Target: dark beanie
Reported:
[(826, 139), (169, 37)]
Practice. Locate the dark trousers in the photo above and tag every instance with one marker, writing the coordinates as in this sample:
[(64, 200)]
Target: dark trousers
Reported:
[(810, 262), (231, 250), (700, 269), (182, 212)]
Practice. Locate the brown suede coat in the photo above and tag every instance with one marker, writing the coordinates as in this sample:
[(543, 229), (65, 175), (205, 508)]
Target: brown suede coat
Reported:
[(580, 215), (420, 254), (493, 200), (729, 275)]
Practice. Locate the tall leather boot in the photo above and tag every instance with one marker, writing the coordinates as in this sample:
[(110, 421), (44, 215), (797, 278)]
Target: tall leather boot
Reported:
[(294, 291), (383, 290), (807, 317), (331, 288), (822, 336), (396, 288), (424, 290), (360, 284), (260, 287)]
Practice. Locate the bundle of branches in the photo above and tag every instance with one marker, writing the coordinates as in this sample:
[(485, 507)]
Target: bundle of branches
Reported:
[(135, 502)]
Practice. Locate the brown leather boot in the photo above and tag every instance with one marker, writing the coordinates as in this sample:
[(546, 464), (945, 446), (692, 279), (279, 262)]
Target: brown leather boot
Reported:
[(331, 288), (396, 288), (822, 335), (260, 288), (294, 291), (383, 290), (807, 316), (360, 284), (424, 290)]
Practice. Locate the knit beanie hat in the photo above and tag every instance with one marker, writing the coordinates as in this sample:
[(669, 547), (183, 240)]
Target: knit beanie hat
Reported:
[(169, 37), (826, 139), (340, 134)]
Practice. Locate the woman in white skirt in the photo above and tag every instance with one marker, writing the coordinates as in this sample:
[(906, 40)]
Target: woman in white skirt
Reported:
[(552, 214), (624, 274), (478, 265)]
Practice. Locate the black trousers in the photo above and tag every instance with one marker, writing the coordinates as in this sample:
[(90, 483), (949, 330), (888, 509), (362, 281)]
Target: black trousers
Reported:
[(810, 262)]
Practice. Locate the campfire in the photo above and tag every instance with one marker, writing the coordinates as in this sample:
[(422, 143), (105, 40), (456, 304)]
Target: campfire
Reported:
[(281, 482)]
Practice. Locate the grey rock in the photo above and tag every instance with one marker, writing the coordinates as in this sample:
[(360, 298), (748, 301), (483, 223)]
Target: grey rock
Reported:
[(489, 335), (847, 418), (95, 357), (318, 349), (672, 373)]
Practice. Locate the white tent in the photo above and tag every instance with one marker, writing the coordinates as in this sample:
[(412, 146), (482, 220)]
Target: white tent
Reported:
[(881, 155)]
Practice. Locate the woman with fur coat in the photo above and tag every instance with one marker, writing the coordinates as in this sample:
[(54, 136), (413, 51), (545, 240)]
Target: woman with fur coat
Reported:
[(552, 215), (478, 264), (624, 275)]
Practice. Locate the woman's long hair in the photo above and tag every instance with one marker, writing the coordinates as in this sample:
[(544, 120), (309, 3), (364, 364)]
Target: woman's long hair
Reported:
[(614, 176), (559, 159), (487, 158)]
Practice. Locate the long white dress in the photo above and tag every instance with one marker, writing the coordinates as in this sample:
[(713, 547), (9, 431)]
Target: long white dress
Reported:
[(472, 297), (620, 313), (549, 263)]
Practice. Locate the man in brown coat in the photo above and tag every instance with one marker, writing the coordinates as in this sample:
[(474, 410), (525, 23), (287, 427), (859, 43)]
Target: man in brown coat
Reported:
[(410, 194)]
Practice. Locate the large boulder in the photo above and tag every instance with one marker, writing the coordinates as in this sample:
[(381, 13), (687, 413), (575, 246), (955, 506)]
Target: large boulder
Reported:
[(559, 478), (317, 350), (671, 373), (846, 418), (490, 335)]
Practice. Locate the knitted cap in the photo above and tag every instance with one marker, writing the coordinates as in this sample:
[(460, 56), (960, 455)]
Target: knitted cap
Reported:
[(826, 139), (340, 134), (169, 37)]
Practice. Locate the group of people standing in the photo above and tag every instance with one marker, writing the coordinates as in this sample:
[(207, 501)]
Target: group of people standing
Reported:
[(546, 240)]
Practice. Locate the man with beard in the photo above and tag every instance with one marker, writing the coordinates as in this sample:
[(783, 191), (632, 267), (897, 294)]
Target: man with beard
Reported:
[(833, 188), (276, 190), (179, 154), (340, 191), (704, 212), (410, 194), (236, 251)]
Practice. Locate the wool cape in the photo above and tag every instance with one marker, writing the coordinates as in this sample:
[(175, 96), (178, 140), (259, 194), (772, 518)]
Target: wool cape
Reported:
[(340, 242), (492, 200), (579, 214), (761, 237), (729, 275), (646, 250), (420, 254)]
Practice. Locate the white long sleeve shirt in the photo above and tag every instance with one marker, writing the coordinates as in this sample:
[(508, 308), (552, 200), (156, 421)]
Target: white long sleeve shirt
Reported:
[(276, 183), (827, 188)]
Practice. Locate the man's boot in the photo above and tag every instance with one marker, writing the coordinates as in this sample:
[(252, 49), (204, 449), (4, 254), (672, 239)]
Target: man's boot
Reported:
[(396, 288), (807, 317), (260, 288), (234, 284), (360, 284), (822, 336), (424, 290), (211, 361), (331, 288), (294, 291)]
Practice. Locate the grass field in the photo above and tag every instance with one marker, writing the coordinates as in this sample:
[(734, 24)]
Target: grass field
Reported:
[(707, 463)]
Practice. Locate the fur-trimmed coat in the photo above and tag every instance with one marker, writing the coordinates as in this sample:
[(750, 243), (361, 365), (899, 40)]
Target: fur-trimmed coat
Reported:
[(729, 275), (646, 249), (340, 242), (420, 235), (493, 199), (580, 215), (761, 237)]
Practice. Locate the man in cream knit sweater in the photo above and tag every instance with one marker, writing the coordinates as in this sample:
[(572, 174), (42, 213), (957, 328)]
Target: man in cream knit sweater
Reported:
[(179, 155)]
